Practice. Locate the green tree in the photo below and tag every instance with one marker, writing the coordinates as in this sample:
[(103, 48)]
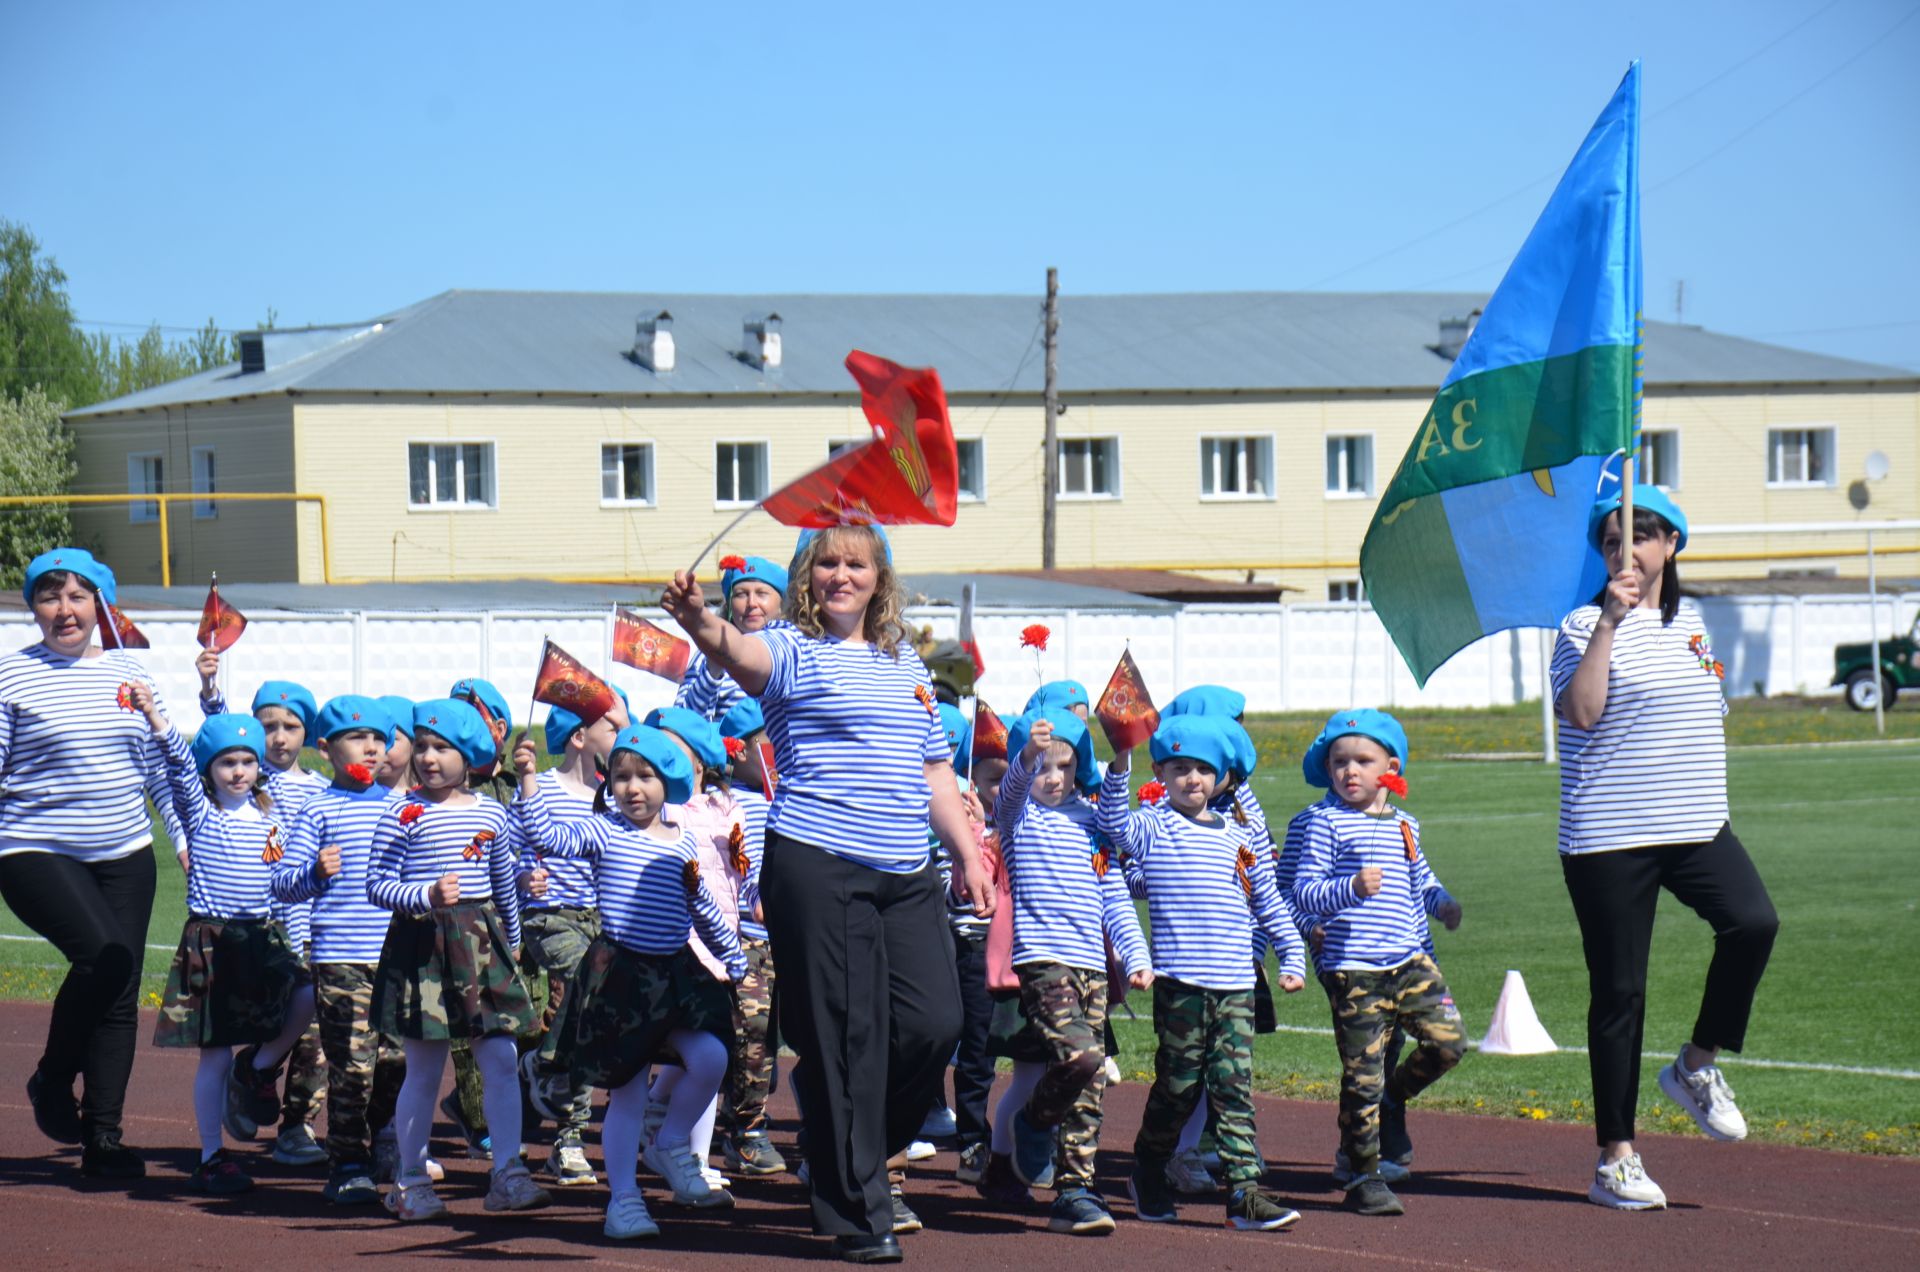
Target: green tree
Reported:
[(36, 458), (39, 344)]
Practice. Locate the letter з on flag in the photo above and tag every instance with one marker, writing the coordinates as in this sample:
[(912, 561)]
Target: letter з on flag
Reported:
[(1483, 527), (639, 644), (563, 681)]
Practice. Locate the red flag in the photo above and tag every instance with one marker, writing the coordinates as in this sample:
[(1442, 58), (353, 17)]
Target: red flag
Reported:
[(118, 631), (989, 734), (907, 474), (769, 776), (640, 644), (1126, 712), (563, 682), (220, 623)]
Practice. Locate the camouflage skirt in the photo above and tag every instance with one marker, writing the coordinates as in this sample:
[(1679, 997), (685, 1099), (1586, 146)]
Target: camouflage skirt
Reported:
[(626, 1003), (229, 984), (449, 974), (1011, 1036)]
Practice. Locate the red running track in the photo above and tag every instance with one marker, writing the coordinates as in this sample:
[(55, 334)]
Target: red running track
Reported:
[(1489, 1193)]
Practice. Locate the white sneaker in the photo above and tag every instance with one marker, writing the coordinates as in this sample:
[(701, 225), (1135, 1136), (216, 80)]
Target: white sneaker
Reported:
[(1705, 1095), (1623, 1185), (1388, 1172), (512, 1188), (713, 1177), (628, 1220), (414, 1201), (435, 1171), (674, 1163), (920, 1150), (1111, 1069), (1186, 1176)]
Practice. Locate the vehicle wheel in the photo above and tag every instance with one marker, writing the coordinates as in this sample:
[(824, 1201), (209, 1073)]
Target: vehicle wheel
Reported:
[(1864, 689)]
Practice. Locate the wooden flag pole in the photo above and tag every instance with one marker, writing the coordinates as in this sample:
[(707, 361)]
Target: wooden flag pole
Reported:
[(213, 586), (715, 541), (534, 700)]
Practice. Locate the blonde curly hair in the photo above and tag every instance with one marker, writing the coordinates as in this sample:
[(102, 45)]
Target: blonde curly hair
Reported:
[(885, 628)]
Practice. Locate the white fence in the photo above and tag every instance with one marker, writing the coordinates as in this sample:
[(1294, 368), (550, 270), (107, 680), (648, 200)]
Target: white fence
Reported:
[(1283, 657)]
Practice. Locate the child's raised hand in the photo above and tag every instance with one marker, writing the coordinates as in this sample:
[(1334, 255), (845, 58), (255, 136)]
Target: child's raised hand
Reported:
[(1292, 984), (1448, 912), (327, 864), (1037, 742), (683, 600), (976, 811), (1367, 882), (445, 892), (526, 762), (208, 665), (1142, 979), (146, 704)]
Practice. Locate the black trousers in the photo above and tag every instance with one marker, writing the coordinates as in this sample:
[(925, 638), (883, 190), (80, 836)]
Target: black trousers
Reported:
[(972, 1066), (96, 915), (1614, 896), (869, 999)]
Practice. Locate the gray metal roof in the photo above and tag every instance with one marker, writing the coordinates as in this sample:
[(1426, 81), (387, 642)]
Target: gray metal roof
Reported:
[(574, 343)]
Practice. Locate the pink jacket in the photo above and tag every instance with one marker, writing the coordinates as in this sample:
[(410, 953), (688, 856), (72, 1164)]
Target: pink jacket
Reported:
[(713, 816)]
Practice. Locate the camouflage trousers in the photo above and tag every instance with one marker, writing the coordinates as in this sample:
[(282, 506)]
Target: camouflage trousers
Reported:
[(1206, 1044), (552, 945), (1367, 1005), (1068, 1006), (751, 1085), (306, 1085), (364, 1067)]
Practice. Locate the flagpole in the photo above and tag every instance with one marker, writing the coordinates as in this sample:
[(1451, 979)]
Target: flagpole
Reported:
[(213, 589), (533, 700), (715, 541)]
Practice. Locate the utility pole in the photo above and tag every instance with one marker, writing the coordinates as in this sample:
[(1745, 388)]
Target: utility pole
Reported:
[(1051, 472)]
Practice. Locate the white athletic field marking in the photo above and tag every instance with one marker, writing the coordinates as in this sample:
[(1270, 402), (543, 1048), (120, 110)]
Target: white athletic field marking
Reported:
[(10, 936), (1465, 819)]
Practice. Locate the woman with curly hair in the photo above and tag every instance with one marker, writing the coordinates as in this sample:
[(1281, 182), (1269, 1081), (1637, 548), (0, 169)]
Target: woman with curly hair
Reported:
[(853, 901)]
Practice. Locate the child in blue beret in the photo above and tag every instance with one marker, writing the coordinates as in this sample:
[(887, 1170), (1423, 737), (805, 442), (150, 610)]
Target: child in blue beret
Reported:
[(1067, 695), (396, 767), (234, 974), (1362, 877), (753, 592)]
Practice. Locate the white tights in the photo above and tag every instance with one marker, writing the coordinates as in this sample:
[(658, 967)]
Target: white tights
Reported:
[(1026, 1076), (690, 1092), (210, 1096), (496, 1058)]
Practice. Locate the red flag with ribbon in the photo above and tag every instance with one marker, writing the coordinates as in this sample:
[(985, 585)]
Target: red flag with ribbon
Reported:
[(769, 773), (220, 623), (117, 630), (1126, 712), (641, 645), (989, 734), (563, 681)]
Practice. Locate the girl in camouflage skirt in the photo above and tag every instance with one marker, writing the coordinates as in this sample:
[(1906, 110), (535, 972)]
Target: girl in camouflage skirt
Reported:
[(643, 997), (234, 971), (445, 862)]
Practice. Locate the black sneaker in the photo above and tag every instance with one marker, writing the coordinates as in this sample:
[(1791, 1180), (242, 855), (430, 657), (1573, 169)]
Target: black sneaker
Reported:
[(351, 1185), (1152, 1199), (1251, 1210), (1395, 1144), (220, 1176), (1370, 1195), (55, 1112), (253, 1096), (904, 1220), (479, 1144), (1081, 1212), (110, 1159), (864, 1249)]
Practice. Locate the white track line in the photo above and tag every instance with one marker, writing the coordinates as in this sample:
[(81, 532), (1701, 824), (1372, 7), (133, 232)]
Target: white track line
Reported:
[(10, 936)]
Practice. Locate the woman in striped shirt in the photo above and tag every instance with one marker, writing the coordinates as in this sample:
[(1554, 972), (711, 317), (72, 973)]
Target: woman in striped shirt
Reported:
[(1643, 806), (852, 899), (77, 763)]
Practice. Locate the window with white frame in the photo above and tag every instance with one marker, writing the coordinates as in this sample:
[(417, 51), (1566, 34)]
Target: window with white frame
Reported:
[(1347, 590), (1090, 467), (204, 484), (1350, 466), (626, 473), (1800, 457), (1659, 462), (146, 475), (739, 472), (450, 475), (837, 444), (1236, 467), (973, 468)]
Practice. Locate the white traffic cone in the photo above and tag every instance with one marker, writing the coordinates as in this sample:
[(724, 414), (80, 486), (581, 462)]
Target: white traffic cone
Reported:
[(1516, 1029)]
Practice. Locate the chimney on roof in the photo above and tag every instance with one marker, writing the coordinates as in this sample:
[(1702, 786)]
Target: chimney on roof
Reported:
[(760, 343), (253, 352), (1454, 333), (653, 342)]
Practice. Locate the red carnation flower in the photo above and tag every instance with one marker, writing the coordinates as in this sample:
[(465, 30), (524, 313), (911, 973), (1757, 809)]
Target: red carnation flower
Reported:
[(411, 814), (1152, 793), (360, 773), (733, 562), (1034, 636), (736, 747), (1395, 784)]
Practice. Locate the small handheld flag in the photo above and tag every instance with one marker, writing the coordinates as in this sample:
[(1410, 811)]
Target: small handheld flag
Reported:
[(641, 645), (118, 631), (1126, 710), (989, 734), (220, 623), (769, 775), (563, 681)]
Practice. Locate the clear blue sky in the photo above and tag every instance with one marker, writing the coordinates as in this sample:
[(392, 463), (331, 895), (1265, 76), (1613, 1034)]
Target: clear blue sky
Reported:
[(338, 161)]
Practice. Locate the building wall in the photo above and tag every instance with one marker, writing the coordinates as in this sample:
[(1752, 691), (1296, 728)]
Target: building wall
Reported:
[(252, 445)]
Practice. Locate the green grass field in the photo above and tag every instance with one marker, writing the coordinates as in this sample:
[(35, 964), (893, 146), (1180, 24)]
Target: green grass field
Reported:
[(1833, 830)]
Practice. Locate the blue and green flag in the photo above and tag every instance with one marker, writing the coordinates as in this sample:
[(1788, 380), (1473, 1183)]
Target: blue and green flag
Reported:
[(1483, 527)]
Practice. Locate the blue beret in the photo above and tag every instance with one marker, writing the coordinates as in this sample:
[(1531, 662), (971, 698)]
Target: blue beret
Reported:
[(1652, 498), (1068, 728), (400, 712), (1209, 700), (229, 732), (808, 536), (953, 723), (78, 561), (698, 732), (1197, 737), (666, 757), (472, 687), (743, 720), (288, 696), (460, 724), (561, 724), (756, 570), (1058, 693), (1364, 721), (350, 711)]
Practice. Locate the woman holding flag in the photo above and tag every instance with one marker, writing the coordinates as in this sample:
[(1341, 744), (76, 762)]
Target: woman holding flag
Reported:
[(854, 905), (77, 765)]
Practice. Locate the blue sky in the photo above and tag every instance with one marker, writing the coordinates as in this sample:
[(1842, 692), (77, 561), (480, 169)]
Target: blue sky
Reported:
[(335, 162)]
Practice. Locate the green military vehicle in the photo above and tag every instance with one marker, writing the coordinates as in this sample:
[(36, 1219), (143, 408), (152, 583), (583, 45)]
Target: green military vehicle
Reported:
[(1899, 669)]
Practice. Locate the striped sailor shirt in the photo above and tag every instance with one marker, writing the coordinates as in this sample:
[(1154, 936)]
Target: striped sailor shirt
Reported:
[(479, 841), (1364, 933), (1069, 896), (347, 927), (569, 879), (233, 848)]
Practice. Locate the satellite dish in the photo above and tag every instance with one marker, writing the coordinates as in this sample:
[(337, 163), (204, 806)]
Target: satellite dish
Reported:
[(1877, 466)]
